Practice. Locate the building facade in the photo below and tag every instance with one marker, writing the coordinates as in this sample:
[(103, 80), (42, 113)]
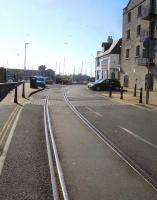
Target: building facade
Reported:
[(21, 74), (108, 60), (139, 44)]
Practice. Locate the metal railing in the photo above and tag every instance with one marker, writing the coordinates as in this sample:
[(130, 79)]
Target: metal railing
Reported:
[(149, 12), (5, 88), (144, 61)]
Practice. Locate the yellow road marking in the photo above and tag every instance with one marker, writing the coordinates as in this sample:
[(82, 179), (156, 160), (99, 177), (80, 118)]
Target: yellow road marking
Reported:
[(10, 116), (8, 124)]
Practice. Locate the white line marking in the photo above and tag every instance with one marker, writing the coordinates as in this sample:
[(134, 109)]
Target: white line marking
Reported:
[(138, 137), (97, 113), (121, 154), (7, 144)]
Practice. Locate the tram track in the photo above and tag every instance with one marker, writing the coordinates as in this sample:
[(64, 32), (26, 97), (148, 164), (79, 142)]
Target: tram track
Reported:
[(57, 178), (133, 164)]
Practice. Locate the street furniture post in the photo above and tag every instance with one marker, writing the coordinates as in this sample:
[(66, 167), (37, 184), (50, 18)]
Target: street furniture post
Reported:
[(110, 91), (23, 89), (15, 96), (135, 88), (121, 93), (141, 93), (147, 45), (147, 85)]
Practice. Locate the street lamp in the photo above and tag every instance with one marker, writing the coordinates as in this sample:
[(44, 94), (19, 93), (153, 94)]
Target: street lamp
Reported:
[(26, 43)]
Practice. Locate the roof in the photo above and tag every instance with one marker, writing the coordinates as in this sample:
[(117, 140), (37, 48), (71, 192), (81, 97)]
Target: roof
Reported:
[(133, 3), (111, 49), (128, 3)]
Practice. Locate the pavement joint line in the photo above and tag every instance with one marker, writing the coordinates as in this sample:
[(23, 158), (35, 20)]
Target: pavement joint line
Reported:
[(6, 123), (138, 137), (128, 103), (7, 144), (9, 125)]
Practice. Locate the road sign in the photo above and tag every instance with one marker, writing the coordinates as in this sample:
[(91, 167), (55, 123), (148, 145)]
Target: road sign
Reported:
[(146, 43)]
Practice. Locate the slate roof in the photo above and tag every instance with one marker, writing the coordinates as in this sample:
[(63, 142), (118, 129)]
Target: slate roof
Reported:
[(114, 49)]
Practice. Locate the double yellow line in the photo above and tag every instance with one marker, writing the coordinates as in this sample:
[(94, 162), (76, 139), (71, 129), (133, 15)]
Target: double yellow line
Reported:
[(8, 124)]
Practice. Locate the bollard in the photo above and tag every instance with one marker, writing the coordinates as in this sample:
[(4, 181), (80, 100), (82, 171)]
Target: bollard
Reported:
[(135, 88), (23, 90), (141, 91), (110, 91), (15, 97), (121, 93)]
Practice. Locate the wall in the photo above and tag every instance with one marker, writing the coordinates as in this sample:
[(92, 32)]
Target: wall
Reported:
[(130, 66)]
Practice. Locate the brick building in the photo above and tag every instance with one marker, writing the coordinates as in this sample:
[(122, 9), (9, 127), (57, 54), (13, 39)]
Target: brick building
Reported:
[(139, 23)]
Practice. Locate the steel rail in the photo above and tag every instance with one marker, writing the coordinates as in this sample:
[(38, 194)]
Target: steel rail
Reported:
[(136, 167), (55, 152), (52, 171)]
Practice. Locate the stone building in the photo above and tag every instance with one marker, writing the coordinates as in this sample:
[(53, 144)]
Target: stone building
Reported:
[(107, 63), (139, 30)]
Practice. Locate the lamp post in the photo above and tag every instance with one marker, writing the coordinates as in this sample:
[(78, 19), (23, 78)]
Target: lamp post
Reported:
[(26, 43)]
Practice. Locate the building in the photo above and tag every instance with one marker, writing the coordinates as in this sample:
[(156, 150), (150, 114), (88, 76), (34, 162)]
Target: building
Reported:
[(139, 31), (21, 74), (107, 63), (2, 75)]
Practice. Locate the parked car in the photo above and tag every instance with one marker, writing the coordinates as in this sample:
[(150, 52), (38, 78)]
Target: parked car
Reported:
[(90, 84), (106, 84)]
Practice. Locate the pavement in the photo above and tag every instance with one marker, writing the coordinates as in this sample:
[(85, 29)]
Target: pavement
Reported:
[(9, 110), (9, 99), (129, 98)]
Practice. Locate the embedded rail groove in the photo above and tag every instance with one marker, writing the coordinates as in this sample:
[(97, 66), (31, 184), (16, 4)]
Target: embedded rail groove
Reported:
[(136, 167), (53, 153)]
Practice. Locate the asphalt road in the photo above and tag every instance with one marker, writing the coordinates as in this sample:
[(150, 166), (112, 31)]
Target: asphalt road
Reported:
[(92, 170), (5, 111), (25, 174), (130, 128)]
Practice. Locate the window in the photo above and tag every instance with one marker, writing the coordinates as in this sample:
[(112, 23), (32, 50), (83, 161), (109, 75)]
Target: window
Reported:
[(138, 30), (139, 13), (97, 62), (138, 50), (128, 34), (127, 53), (129, 17)]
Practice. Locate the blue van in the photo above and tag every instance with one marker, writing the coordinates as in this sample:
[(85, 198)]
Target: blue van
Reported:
[(40, 81)]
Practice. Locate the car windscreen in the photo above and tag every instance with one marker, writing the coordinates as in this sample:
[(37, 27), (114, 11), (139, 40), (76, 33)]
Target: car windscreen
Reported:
[(100, 81), (40, 79)]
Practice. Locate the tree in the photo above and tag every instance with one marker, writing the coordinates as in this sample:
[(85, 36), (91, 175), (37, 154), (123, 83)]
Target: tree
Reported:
[(42, 68)]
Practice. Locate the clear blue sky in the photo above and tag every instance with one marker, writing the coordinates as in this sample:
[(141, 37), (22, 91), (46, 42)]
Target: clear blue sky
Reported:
[(55, 29)]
